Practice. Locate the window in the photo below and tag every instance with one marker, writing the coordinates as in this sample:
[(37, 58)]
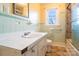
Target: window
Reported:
[(51, 16)]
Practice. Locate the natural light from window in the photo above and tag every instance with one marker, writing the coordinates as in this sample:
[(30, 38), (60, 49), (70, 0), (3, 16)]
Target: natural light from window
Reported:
[(51, 16)]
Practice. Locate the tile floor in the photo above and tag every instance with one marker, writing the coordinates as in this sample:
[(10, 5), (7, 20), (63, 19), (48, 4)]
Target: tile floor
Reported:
[(57, 51)]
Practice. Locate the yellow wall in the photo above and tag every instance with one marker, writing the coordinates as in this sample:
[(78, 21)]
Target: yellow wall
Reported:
[(41, 7), (34, 6), (44, 7), (61, 18), (42, 13)]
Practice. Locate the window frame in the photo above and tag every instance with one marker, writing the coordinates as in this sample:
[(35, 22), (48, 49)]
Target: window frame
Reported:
[(46, 22)]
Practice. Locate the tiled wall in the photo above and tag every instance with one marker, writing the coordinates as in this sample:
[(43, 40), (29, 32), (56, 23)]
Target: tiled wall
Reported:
[(12, 24), (75, 25)]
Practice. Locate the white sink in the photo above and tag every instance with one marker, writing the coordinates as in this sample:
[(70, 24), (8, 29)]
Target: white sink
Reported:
[(15, 40), (30, 35)]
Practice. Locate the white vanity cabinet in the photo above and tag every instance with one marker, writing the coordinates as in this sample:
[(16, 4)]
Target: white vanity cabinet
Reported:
[(14, 45), (38, 50), (6, 51), (42, 47)]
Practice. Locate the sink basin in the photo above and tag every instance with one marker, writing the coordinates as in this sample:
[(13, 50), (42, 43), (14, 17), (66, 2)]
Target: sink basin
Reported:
[(30, 35), (25, 35)]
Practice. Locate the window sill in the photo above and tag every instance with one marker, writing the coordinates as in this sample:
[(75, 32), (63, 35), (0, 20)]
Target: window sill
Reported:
[(54, 26), (51, 25)]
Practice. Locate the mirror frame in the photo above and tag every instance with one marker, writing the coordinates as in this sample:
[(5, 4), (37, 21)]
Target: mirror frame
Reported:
[(19, 15)]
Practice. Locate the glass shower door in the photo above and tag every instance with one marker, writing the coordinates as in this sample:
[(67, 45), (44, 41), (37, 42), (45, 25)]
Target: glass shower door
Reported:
[(75, 25)]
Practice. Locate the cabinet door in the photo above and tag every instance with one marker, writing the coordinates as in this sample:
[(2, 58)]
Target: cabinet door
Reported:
[(42, 47), (38, 50), (31, 52), (42, 51)]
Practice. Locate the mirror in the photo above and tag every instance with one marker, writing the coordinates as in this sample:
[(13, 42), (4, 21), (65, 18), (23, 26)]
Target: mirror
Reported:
[(21, 9), (17, 9)]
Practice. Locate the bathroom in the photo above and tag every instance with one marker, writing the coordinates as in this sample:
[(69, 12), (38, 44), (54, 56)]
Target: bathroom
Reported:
[(52, 22)]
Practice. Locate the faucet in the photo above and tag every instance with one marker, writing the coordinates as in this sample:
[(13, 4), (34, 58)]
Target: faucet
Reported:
[(29, 22), (25, 34)]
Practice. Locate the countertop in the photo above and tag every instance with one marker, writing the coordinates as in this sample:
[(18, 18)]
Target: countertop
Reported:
[(16, 41)]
